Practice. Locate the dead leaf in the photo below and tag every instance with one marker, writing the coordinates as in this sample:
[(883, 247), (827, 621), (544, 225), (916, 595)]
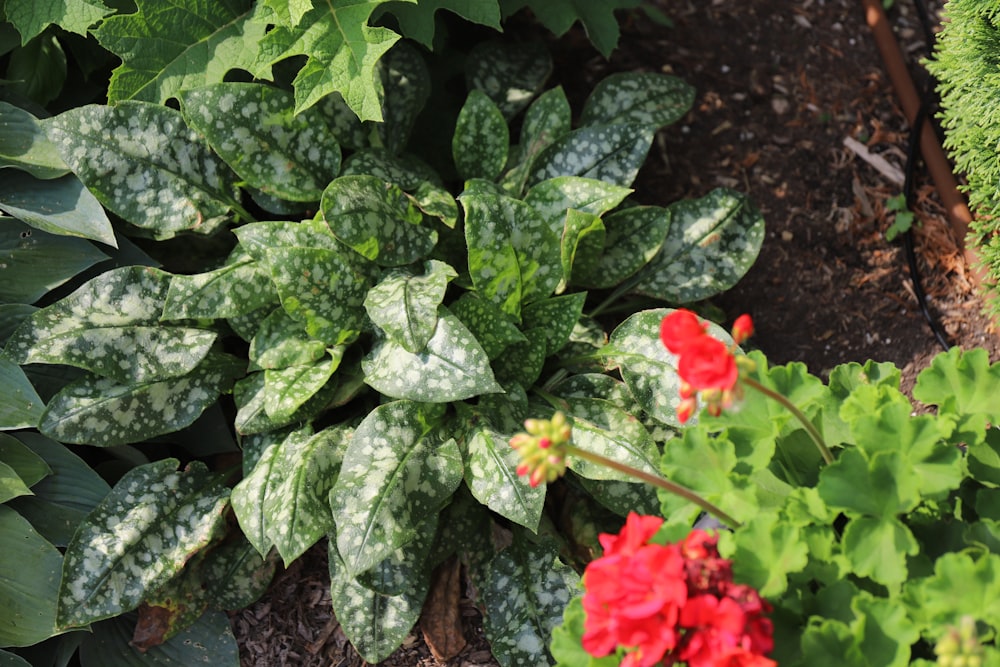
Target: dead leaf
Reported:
[(440, 620)]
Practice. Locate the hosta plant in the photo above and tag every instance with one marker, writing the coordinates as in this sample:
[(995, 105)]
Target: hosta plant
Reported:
[(369, 330)]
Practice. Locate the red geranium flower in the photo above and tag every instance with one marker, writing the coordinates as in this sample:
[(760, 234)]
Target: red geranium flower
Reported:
[(679, 328), (707, 363)]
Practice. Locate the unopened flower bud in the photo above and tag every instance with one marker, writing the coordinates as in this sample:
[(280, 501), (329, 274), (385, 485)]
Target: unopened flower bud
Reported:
[(742, 329), (543, 448)]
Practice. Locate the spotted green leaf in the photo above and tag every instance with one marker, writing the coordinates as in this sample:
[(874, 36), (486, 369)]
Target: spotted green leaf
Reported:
[(623, 497), (284, 501), (493, 328), (20, 405), (712, 242), (513, 253), (649, 371), (480, 143), (347, 128), (281, 342), (209, 640), (253, 128), (377, 220), (525, 591), (405, 306), (548, 118), (583, 240), (142, 162), (610, 153), (257, 238), (236, 289), (24, 146), (29, 582), (407, 568), (61, 206), (491, 474), (110, 326), (552, 198), (397, 470), (404, 171), (138, 538), (102, 412), (555, 317), (288, 389), (648, 98), (406, 82), (522, 362), (601, 427), (510, 73), (235, 575), (251, 398), (632, 239), (451, 367), (32, 262)]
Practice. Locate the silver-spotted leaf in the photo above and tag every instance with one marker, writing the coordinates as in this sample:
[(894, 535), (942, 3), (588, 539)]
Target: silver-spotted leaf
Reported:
[(257, 238), (347, 128), (510, 73), (397, 470), (284, 501), (138, 538), (649, 98), (142, 162), (281, 342), (24, 146), (235, 289), (601, 427), (235, 575), (33, 262), (452, 366), (251, 397), (611, 153), (555, 317), (20, 405), (522, 362), (623, 497), (405, 306), (552, 198), (491, 474), (405, 171), (632, 238), (286, 390), (377, 220), (493, 328), (29, 582), (406, 82), (583, 239), (111, 326), (712, 242), (548, 118), (481, 140), (253, 128), (61, 206), (102, 412)]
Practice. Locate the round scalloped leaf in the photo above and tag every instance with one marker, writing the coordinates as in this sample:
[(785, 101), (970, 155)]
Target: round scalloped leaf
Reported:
[(631, 240), (405, 306), (102, 412), (111, 326), (24, 146), (62, 206), (489, 325), (209, 640), (649, 98), (491, 474), (33, 262), (712, 242), (233, 290), (138, 538), (511, 74), (29, 582), (377, 219), (254, 128), (603, 428), (142, 162), (281, 342), (481, 140), (20, 405), (288, 389), (452, 366), (611, 153), (398, 470)]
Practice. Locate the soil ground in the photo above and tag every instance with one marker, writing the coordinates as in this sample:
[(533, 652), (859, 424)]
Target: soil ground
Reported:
[(781, 84)]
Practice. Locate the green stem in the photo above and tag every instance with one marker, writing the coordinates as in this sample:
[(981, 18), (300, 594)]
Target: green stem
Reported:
[(808, 425), (661, 482)]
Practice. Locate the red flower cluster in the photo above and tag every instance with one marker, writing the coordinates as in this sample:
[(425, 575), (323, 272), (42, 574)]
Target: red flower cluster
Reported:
[(671, 603), (705, 364)]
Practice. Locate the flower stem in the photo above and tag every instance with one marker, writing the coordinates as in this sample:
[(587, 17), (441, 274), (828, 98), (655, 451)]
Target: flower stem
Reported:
[(808, 425), (655, 480)]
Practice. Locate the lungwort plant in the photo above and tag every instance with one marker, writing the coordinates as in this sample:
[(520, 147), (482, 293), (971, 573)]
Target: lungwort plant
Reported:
[(370, 330)]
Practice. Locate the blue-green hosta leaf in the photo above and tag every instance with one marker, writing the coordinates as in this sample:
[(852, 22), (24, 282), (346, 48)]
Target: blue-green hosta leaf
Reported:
[(319, 288), (209, 640), (169, 47), (288, 389), (551, 198), (647, 368), (556, 317), (8, 659), (11, 316), (649, 98), (61, 206), (603, 428), (284, 502), (100, 411), (406, 81), (254, 129), (451, 367), (405, 306), (20, 405), (31, 18), (281, 342), (513, 252), (479, 145), (712, 242), (110, 326), (417, 21), (142, 162), (632, 239), (491, 474), (493, 328), (611, 153), (341, 50), (33, 262), (29, 582), (28, 466), (11, 484), (138, 538), (525, 591), (548, 118), (377, 220), (24, 146), (511, 74), (235, 289), (398, 469)]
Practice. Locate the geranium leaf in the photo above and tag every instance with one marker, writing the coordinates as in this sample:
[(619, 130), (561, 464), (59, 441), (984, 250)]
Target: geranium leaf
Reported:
[(288, 389), (451, 367), (479, 145), (102, 412), (405, 306), (20, 405), (649, 98), (491, 474), (61, 206), (960, 585), (712, 242), (766, 550), (489, 325), (29, 588), (110, 326), (611, 153), (253, 128), (154, 514), (31, 18), (341, 51), (24, 146), (878, 548), (961, 383), (631, 239), (166, 48), (35, 262), (397, 470), (238, 288), (892, 485), (510, 73), (142, 162), (281, 342)]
